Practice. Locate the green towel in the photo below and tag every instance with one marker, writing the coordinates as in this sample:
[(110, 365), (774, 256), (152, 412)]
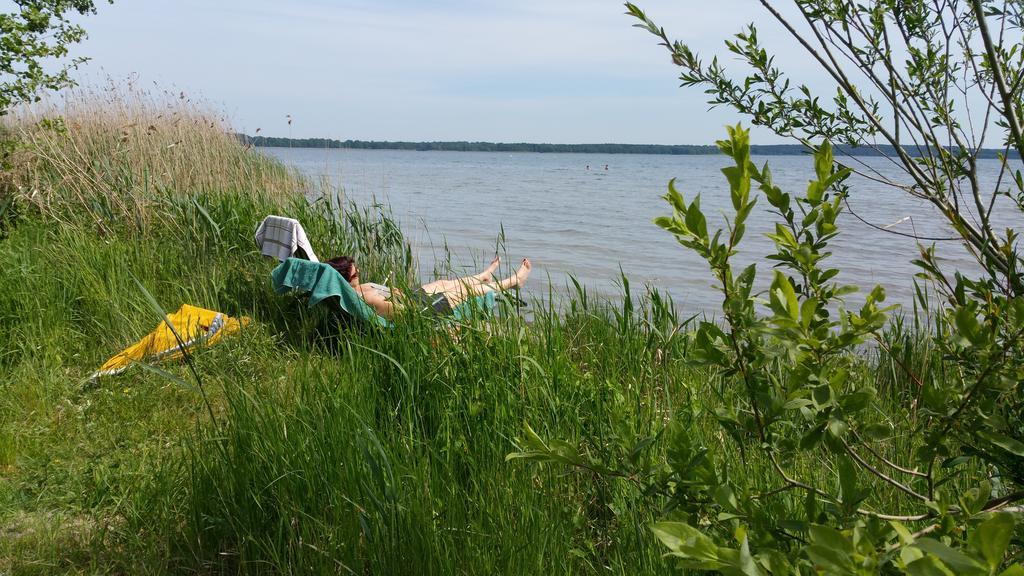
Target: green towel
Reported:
[(483, 304), (322, 281)]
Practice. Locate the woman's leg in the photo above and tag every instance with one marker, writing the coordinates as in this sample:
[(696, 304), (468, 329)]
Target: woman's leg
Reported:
[(488, 274), (444, 285), (448, 285), (460, 292)]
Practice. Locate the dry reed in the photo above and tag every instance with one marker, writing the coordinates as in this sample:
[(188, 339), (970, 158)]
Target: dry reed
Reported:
[(116, 153)]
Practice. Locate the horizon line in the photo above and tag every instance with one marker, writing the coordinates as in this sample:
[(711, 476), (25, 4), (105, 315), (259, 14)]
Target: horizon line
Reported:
[(788, 149)]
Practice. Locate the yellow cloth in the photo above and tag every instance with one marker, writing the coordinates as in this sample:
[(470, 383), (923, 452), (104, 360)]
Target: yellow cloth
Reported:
[(195, 326)]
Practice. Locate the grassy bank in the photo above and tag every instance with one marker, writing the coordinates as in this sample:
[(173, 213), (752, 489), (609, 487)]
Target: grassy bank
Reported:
[(332, 449)]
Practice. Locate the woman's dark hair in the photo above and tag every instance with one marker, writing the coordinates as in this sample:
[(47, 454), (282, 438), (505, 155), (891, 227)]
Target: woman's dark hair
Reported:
[(343, 264)]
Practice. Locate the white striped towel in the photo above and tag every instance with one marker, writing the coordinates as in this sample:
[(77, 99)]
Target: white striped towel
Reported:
[(281, 237)]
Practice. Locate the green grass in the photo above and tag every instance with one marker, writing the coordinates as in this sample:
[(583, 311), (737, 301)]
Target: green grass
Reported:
[(335, 449), (379, 450)]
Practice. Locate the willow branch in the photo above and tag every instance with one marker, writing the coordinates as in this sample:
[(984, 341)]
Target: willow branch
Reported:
[(997, 74), (886, 478)]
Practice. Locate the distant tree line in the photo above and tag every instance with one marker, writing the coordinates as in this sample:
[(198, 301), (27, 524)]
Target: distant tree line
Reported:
[(462, 146)]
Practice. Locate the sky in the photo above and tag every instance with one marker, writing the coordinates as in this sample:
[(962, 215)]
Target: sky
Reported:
[(559, 71)]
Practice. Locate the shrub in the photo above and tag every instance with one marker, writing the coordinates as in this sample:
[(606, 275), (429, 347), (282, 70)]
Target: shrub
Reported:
[(832, 476)]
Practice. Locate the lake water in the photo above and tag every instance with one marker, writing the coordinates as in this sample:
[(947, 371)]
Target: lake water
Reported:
[(591, 223)]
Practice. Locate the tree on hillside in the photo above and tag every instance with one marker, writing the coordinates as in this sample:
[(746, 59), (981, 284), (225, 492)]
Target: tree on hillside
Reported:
[(33, 33)]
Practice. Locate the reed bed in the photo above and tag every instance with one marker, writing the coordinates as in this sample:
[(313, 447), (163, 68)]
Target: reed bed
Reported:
[(335, 449), (115, 154)]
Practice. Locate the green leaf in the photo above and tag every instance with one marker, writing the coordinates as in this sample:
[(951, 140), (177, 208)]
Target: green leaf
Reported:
[(1011, 445), (807, 311), (564, 452), (815, 192), (823, 161), (928, 566), (688, 542), (796, 404), (725, 497), (967, 324), (827, 275), (830, 537), (746, 561), (848, 480), (738, 232), (812, 437), (809, 218), (667, 223), (991, 538), (674, 197), (845, 290), (790, 301), (906, 537), (671, 534), (830, 560), (876, 431), (532, 439), (695, 220), (857, 401), (837, 428), (774, 562), (957, 561), (746, 279)]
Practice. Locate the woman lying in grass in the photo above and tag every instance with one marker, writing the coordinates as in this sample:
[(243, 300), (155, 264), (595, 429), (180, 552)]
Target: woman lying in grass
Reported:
[(440, 296)]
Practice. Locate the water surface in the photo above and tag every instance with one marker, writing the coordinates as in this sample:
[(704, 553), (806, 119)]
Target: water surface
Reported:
[(571, 215)]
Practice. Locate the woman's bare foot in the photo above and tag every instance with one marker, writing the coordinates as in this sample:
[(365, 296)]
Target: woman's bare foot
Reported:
[(523, 272), (488, 274), (516, 280), (490, 270)]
